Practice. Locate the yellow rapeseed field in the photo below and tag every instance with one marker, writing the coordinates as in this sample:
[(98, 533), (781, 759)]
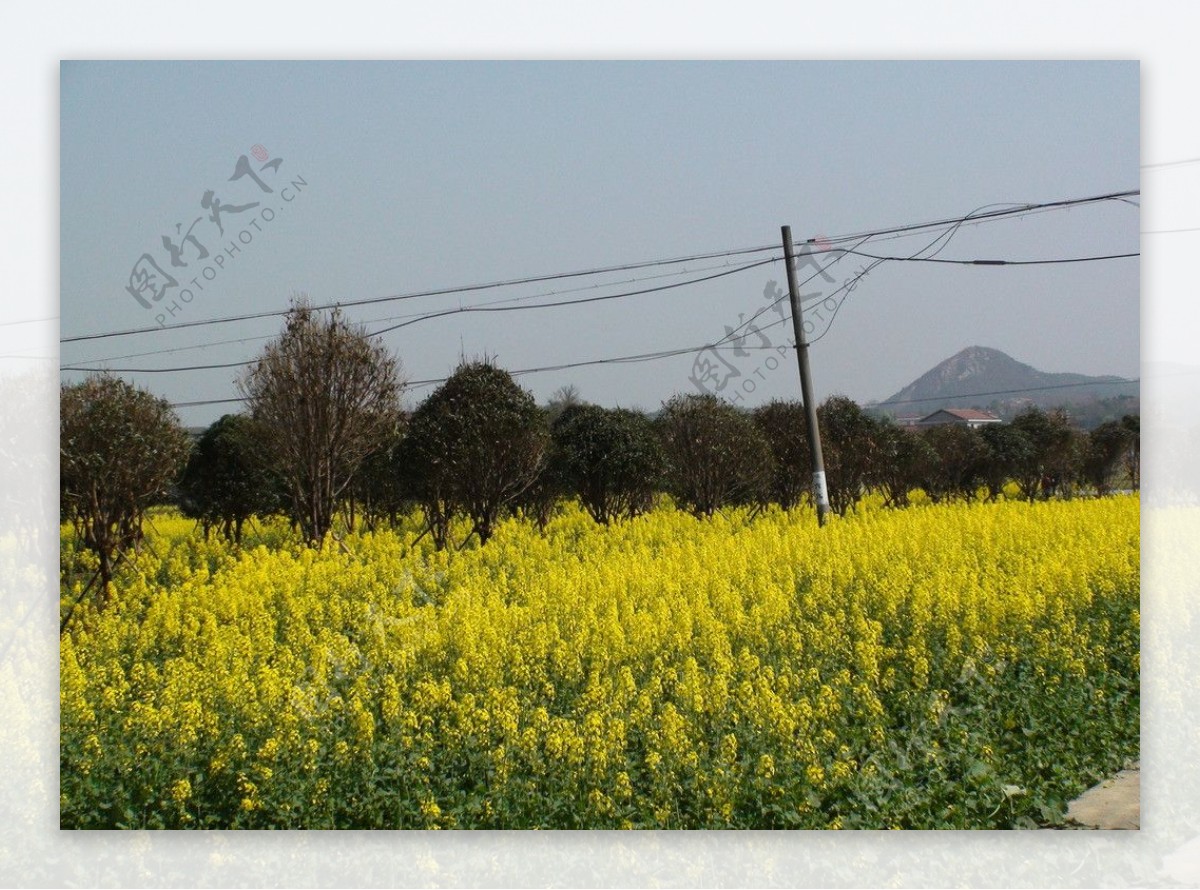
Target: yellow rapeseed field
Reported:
[(961, 665)]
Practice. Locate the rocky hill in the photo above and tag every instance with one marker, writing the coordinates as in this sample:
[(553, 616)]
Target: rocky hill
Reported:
[(979, 377)]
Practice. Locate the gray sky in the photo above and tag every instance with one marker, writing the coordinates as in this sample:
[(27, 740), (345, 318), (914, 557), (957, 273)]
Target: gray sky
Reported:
[(420, 176)]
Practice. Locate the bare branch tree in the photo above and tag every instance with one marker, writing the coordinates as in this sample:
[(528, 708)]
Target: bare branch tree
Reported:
[(326, 395)]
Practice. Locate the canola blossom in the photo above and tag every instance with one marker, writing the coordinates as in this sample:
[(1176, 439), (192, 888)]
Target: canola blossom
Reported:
[(953, 665)]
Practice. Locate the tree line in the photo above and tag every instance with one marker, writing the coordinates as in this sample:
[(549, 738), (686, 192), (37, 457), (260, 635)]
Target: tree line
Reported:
[(323, 432)]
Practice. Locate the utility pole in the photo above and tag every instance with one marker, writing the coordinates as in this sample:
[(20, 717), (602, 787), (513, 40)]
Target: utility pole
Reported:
[(820, 491)]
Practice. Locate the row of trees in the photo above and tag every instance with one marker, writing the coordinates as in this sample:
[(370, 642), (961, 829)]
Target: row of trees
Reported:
[(324, 431)]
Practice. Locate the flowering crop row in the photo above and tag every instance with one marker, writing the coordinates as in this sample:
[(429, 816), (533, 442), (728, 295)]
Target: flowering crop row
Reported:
[(959, 665)]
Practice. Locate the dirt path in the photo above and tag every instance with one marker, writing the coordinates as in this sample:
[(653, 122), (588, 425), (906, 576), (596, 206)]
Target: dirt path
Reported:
[(1113, 804)]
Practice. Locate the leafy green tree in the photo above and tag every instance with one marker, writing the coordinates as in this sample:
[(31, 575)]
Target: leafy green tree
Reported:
[(1074, 462), (327, 396), (421, 478), (1051, 457), (904, 461), (610, 457), (783, 424), (473, 448), (541, 499), (376, 494), (227, 478), (961, 456), (1008, 452), (716, 456), (1106, 449), (120, 449), (850, 448)]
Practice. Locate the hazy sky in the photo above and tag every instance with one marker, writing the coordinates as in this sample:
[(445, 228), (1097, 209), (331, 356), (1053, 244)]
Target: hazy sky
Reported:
[(418, 176)]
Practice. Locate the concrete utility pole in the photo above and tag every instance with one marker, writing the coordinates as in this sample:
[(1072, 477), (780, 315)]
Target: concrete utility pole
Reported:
[(820, 491)]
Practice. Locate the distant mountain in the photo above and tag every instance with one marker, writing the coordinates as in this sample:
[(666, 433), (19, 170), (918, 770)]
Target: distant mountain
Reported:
[(979, 377)]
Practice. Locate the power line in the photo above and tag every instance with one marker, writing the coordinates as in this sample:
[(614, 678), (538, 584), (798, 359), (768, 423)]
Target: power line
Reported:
[(624, 359), (1011, 210), (200, 402), (414, 295), (369, 321), (1015, 209), (445, 312), (648, 290), (848, 286), (158, 370), (952, 226), (945, 237), (207, 345), (618, 359), (732, 333), (972, 217), (915, 259), (662, 354), (1018, 212)]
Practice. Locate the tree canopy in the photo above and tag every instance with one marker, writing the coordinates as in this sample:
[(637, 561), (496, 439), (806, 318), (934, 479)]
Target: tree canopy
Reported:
[(849, 445), (473, 447), (227, 478), (609, 457), (326, 396), (716, 456), (120, 449), (783, 424)]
